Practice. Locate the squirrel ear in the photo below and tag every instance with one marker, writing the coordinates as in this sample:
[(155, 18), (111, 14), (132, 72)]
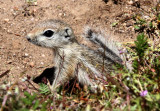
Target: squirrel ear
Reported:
[(68, 32)]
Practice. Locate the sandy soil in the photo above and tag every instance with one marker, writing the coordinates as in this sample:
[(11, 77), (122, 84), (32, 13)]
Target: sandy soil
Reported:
[(17, 18)]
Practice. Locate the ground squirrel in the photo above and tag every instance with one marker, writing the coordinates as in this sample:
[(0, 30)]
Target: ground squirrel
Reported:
[(72, 59)]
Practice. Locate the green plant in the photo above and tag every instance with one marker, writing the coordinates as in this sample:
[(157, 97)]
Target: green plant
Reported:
[(144, 81), (30, 101), (141, 46), (44, 89)]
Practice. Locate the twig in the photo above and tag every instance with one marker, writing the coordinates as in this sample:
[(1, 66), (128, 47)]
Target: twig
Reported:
[(4, 101), (4, 73), (32, 85), (128, 102), (73, 86)]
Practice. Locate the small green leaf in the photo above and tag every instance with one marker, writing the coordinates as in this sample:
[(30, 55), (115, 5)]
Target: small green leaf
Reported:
[(27, 94), (36, 104), (137, 27), (150, 25), (114, 24)]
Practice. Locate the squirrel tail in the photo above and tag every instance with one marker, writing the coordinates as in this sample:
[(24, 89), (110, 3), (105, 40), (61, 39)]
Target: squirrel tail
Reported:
[(112, 49)]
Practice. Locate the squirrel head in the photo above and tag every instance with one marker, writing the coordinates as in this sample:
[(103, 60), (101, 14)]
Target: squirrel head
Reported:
[(51, 34)]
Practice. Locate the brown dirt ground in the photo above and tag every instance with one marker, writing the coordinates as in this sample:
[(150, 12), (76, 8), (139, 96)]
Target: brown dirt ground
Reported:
[(17, 18)]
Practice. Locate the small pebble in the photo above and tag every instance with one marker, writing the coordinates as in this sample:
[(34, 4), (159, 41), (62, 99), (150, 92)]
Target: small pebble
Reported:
[(130, 2), (9, 62), (42, 63), (31, 64), (60, 14), (43, 55), (128, 24), (6, 20), (35, 3), (26, 54)]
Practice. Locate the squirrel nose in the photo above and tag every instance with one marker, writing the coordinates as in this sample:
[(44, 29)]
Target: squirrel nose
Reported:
[(28, 38)]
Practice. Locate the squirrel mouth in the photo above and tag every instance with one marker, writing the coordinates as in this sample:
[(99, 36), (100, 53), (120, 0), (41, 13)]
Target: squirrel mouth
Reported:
[(34, 41)]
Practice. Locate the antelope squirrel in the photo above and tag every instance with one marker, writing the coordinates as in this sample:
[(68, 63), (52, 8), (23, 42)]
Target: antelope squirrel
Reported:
[(72, 59)]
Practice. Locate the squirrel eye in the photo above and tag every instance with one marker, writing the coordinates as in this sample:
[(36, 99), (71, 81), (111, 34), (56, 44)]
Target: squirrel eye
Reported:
[(48, 33)]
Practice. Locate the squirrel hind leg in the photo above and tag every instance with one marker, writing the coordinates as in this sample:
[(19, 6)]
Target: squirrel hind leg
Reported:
[(84, 79)]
